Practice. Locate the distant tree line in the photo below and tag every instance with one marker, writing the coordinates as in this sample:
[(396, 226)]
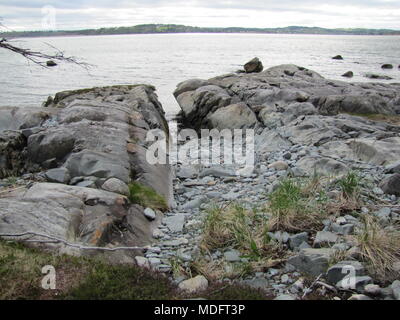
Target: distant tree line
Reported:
[(173, 28)]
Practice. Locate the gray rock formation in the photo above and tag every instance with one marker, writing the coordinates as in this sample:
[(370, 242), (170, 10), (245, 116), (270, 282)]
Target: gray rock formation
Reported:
[(92, 139), (289, 105)]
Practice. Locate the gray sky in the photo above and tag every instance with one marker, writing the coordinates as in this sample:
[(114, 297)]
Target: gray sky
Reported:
[(78, 14)]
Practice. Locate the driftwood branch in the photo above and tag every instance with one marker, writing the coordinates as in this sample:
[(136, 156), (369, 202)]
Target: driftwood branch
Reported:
[(41, 58), (53, 239)]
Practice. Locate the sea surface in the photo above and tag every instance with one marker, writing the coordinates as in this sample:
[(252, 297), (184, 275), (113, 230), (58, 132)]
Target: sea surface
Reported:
[(164, 60)]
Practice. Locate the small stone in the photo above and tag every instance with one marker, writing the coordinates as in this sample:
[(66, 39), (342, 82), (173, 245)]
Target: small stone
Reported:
[(387, 66), (280, 236), (396, 289), (297, 240), (285, 278), (279, 166), (287, 156), (372, 289), (299, 284), (218, 172), (383, 214), (199, 283), (312, 261), (116, 186), (175, 223), (391, 185), (194, 204), (142, 262), (232, 256), (304, 245), (59, 175), (154, 262), (187, 172), (341, 220), (325, 238), (359, 297), (158, 234), (346, 229), (51, 63), (285, 297), (150, 214), (348, 74)]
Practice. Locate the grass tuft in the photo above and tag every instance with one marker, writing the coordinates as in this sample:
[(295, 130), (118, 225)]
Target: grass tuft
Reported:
[(236, 227), (297, 205), (350, 185), (380, 249), (146, 197)]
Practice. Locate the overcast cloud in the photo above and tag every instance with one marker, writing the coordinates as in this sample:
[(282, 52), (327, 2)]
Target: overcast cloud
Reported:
[(78, 14)]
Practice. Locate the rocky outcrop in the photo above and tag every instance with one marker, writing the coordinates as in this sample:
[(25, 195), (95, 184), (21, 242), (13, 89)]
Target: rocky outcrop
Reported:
[(90, 144), (290, 105)]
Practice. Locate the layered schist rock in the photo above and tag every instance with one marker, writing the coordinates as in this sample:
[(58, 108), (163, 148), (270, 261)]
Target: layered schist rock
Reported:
[(293, 106), (91, 145)]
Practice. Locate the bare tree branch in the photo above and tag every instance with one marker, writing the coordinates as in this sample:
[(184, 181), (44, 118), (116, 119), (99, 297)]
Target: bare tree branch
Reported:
[(37, 57), (41, 58)]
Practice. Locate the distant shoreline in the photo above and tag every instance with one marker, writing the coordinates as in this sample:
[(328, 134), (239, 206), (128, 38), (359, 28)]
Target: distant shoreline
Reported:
[(180, 29)]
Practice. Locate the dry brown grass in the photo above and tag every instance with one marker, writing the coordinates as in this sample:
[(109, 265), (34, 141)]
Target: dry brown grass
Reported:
[(380, 249)]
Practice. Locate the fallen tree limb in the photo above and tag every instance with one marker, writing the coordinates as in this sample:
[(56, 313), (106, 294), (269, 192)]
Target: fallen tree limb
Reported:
[(41, 58)]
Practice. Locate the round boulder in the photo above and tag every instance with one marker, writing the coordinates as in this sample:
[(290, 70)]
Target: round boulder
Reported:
[(116, 186)]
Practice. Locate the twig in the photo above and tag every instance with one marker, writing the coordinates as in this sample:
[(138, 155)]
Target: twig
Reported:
[(327, 286), (308, 290), (74, 245)]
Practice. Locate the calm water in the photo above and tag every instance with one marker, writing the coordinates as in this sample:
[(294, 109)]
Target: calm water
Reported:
[(165, 60)]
